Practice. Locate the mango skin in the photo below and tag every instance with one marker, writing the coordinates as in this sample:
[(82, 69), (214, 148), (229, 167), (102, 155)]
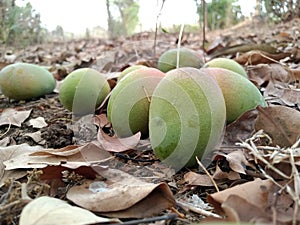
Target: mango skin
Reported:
[(83, 90), (128, 105), (24, 81), (186, 117), (225, 63), (128, 70), (239, 93), (187, 58)]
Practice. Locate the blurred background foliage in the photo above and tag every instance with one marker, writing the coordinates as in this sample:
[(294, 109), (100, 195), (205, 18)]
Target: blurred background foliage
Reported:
[(21, 25)]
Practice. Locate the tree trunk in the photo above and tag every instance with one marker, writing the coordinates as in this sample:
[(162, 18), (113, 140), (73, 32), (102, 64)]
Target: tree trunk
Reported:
[(258, 8), (109, 19), (297, 8)]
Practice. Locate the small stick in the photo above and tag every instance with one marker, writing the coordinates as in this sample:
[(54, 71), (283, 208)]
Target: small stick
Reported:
[(171, 216), (197, 210), (179, 44), (207, 173)]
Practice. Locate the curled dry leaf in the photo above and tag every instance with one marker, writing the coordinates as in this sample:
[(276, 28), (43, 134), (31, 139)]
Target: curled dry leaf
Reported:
[(262, 201), (280, 123), (237, 161), (122, 195), (256, 57), (13, 117), (69, 157), (221, 175), (115, 144), (47, 211)]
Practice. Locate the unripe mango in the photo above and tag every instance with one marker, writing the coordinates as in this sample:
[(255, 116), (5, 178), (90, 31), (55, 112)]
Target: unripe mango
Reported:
[(129, 69), (239, 93), (186, 117), (128, 106), (187, 58), (83, 90), (225, 63), (23, 81)]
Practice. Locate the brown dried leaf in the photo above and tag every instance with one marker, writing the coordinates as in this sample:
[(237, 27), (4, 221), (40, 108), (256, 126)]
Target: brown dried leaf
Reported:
[(280, 123), (263, 203), (247, 213), (47, 210), (221, 175), (115, 144), (196, 179), (13, 117), (241, 129), (8, 154), (237, 161), (122, 195), (254, 192), (65, 151), (256, 57), (262, 73), (70, 157)]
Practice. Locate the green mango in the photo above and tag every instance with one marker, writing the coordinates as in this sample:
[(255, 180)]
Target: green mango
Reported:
[(187, 58), (225, 63), (23, 81), (186, 117), (83, 90), (240, 94), (128, 105)]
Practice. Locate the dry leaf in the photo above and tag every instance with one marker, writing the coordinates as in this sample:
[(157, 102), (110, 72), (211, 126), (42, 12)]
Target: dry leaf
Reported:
[(70, 156), (122, 195), (115, 144), (8, 154), (256, 57), (196, 179), (36, 136), (255, 192), (280, 123), (237, 161), (262, 73), (262, 202), (13, 117), (51, 211), (221, 175), (247, 213), (38, 122), (241, 129)]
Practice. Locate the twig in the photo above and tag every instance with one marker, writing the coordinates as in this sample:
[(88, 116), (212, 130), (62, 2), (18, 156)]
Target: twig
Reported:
[(254, 150), (171, 216), (156, 27), (189, 207), (204, 24), (207, 173), (179, 44), (296, 186)]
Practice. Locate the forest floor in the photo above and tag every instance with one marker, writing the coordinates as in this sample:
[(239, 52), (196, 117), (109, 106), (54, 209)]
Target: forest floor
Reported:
[(42, 143)]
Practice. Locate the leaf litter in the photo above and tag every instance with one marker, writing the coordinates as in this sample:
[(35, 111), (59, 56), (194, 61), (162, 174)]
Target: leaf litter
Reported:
[(256, 166)]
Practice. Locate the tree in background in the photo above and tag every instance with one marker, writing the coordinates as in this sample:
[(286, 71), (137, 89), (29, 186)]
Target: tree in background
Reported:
[(220, 13), (281, 10), (126, 17), (19, 25)]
